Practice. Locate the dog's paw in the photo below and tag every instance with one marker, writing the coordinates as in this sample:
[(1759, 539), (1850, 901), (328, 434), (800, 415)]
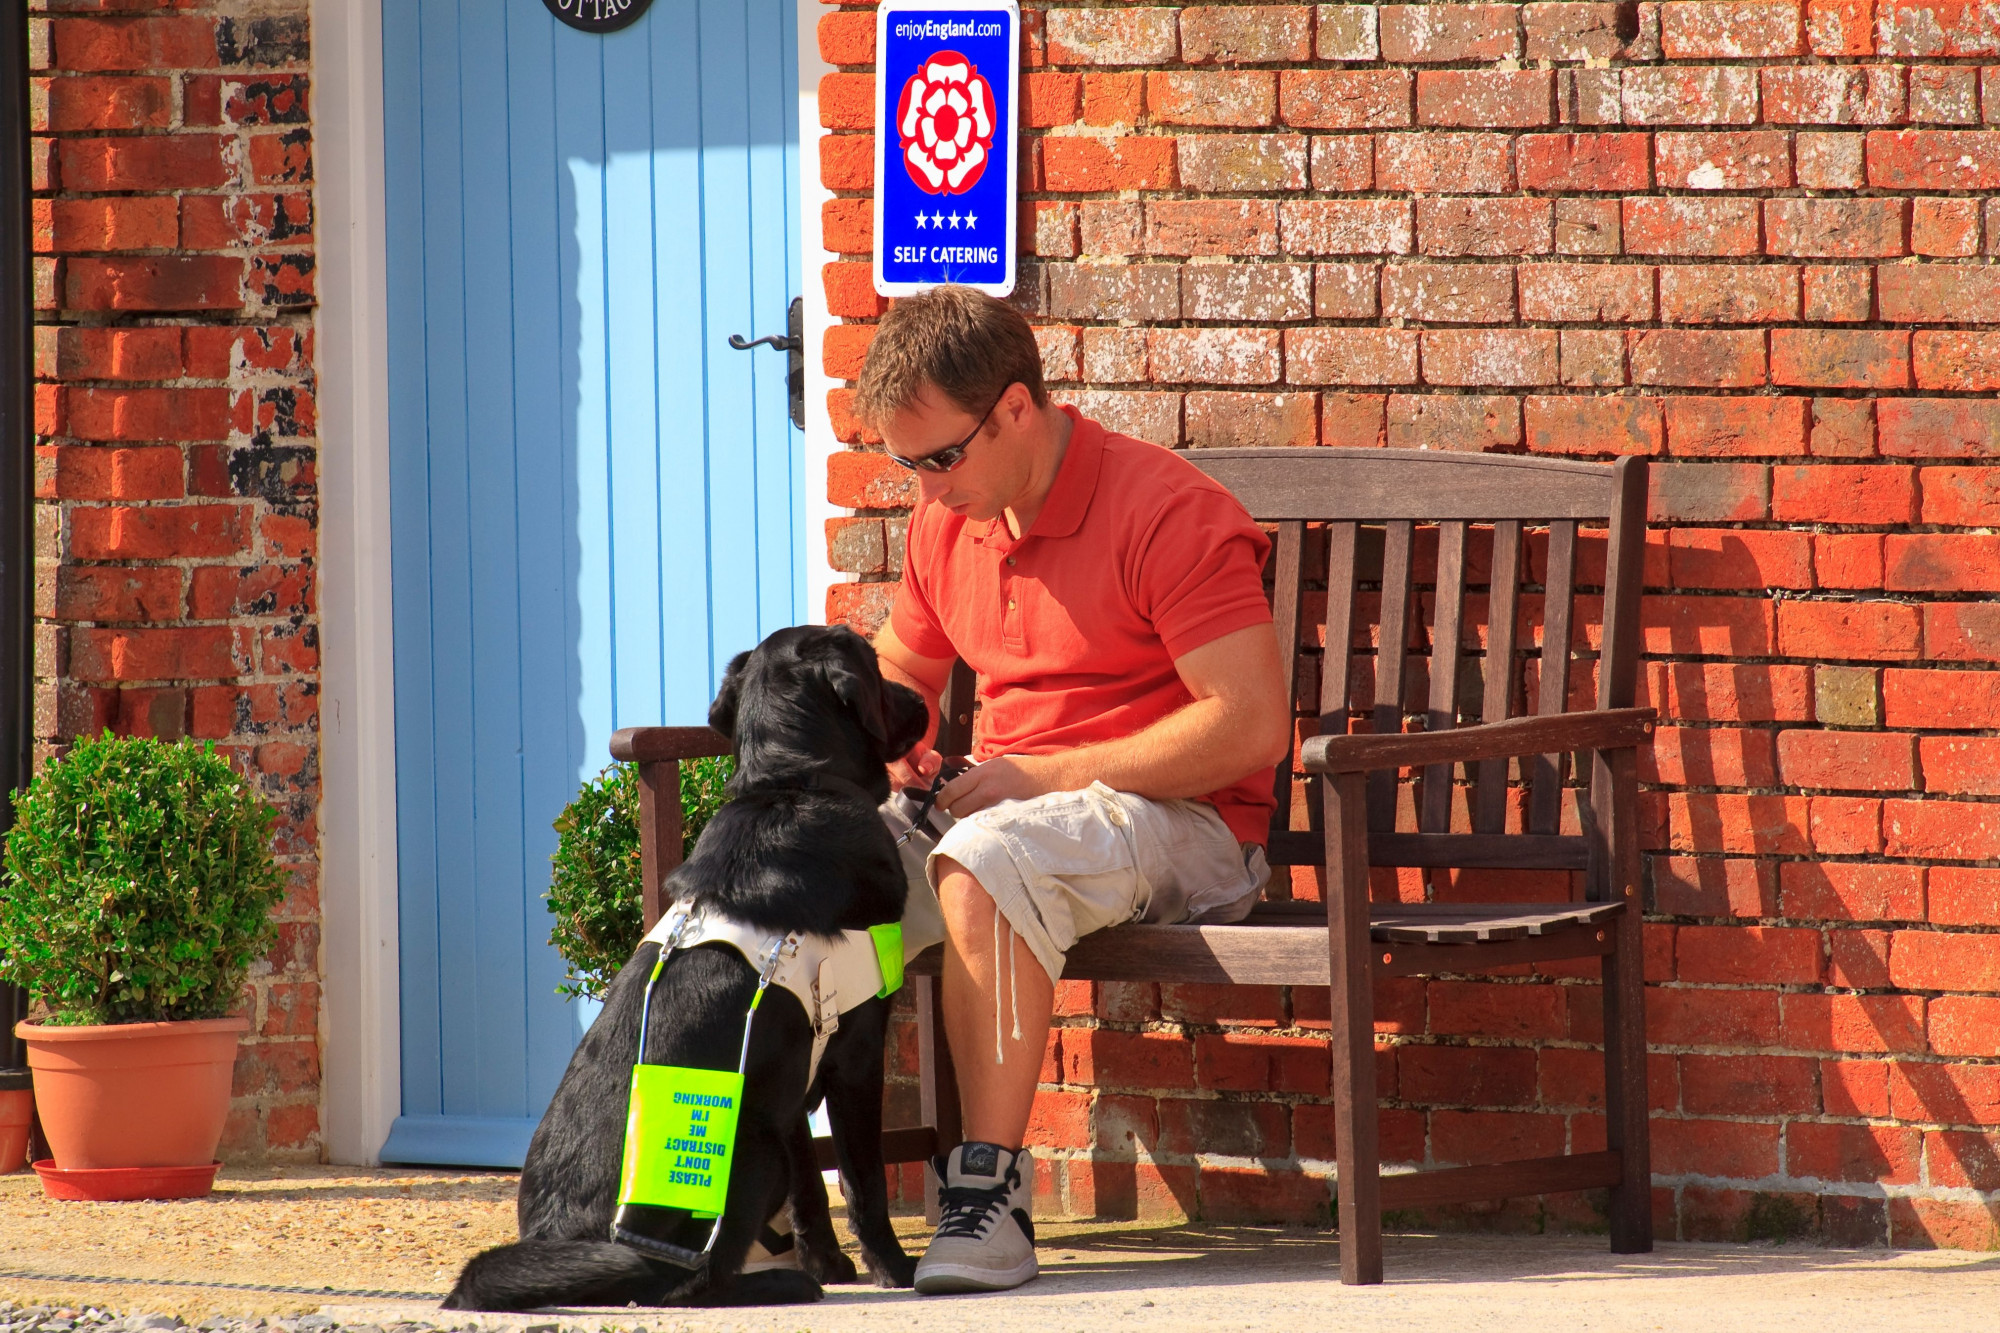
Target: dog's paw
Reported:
[(891, 1270), (831, 1266)]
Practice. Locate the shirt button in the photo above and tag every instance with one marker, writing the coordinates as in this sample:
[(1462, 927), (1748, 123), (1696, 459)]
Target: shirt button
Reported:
[(1010, 559), (1010, 604)]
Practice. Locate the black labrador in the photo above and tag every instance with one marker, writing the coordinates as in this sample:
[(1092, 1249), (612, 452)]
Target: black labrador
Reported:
[(799, 847)]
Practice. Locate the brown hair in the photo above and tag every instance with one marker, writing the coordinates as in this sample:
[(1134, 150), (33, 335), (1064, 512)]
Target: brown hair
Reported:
[(966, 343)]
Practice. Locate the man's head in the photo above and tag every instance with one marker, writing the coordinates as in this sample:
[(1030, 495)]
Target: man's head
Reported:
[(953, 382)]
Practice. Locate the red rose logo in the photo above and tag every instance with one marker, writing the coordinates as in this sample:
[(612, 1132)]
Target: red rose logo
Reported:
[(944, 121)]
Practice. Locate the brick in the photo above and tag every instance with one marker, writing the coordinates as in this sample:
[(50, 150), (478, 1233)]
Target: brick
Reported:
[(1964, 1160), (1843, 428), (1494, 1009), (1733, 1148), (1706, 625), (1840, 359), (1343, 162), (135, 43), (1847, 631), (1715, 1018), (1051, 100), (1934, 28), (1838, 292), (1565, 163), (1944, 228), (1346, 32), (1214, 356), (1691, 227), (1833, 94), (1587, 227), (1078, 163), (1466, 1075), (1586, 293), (1728, 294), (1960, 496), (1449, 293), (1056, 231), (1489, 356), (104, 103), (147, 414), (1455, 227), (1447, 33), (1735, 559), (1840, 27), (1847, 561), (847, 38), (155, 283), (219, 592), (109, 594), (1934, 159), (1346, 99), (1580, 31), (1942, 562), (1938, 427), (1835, 493), (847, 101), (1936, 293), (1114, 356), (1247, 35), (1352, 420), (1239, 100), (1962, 631), (1346, 227), (1114, 291), (1746, 1084), (1154, 417), (1879, 1154), (1963, 1024), (1961, 765), (1112, 228), (1261, 293), (1595, 426), (1848, 760), (1754, 955), (1435, 162), (1112, 36), (1828, 161), (1928, 960), (1245, 420), (1961, 361), (136, 223), (1465, 423), (1690, 95), (857, 480), (1731, 30), (1486, 98), (1847, 696), (1940, 699), (1845, 825), (1709, 492), (1593, 358), (1736, 692), (850, 291), (1230, 163), (1944, 95), (116, 354), (1212, 227), (1739, 160), (1350, 356), (1113, 99), (1837, 228), (88, 473), (1345, 291), (191, 653), (1698, 358), (1590, 97), (1713, 886)]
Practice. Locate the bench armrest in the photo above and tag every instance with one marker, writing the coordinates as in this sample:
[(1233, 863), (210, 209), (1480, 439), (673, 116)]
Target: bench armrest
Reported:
[(1599, 729), (645, 745)]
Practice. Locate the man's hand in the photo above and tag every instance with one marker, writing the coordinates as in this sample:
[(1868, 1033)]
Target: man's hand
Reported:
[(917, 768), (1011, 777)]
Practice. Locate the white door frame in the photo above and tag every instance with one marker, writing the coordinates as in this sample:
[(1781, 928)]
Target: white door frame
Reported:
[(360, 1017)]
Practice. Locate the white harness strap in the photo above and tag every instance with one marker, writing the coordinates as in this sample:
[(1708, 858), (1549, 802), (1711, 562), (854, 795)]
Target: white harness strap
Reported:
[(828, 977)]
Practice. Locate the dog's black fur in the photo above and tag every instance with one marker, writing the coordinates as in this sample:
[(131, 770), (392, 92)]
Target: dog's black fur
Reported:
[(782, 857)]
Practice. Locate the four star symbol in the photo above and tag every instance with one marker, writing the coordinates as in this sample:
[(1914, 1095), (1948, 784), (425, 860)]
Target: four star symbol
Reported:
[(936, 221)]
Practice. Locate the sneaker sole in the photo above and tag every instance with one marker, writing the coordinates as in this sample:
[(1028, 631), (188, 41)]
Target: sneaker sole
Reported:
[(946, 1279)]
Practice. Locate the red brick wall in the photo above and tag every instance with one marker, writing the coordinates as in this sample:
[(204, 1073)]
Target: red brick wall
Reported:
[(1748, 240), (176, 534)]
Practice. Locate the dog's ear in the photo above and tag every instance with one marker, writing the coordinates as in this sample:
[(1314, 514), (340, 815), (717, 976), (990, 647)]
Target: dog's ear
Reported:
[(722, 713), (909, 718), (857, 681)]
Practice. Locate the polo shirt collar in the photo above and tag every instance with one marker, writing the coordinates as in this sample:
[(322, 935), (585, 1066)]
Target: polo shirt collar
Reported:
[(1076, 481)]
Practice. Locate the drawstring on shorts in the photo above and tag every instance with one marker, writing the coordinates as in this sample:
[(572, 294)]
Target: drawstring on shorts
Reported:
[(1013, 998)]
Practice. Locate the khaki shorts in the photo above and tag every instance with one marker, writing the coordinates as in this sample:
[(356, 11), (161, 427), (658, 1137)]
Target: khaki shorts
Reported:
[(1068, 863)]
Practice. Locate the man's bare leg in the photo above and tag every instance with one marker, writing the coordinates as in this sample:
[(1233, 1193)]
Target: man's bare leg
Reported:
[(995, 1098)]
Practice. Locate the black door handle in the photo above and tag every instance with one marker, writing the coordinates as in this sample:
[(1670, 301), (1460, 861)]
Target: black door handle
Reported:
[(793, 342)]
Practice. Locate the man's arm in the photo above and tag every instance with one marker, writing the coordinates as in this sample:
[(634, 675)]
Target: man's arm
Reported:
[(1238, 722), (927, 676)]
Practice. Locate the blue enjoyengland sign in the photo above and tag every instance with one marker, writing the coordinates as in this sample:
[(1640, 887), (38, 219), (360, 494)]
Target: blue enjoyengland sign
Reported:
[(946, 147)]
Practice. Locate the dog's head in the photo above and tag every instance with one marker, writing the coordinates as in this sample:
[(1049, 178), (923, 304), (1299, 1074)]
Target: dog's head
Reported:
[(813, 696)]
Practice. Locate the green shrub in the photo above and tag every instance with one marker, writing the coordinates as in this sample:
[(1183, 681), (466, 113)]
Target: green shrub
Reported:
[(594, 891), (139, 883)]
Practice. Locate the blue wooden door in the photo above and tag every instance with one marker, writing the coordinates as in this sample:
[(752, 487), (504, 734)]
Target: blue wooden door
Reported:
[(595, 500)]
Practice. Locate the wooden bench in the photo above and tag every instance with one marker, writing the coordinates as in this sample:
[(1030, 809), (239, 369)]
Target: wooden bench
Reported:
[(1436, 569)]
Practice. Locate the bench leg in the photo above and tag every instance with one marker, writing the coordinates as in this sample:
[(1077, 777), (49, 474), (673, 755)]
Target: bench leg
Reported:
[(1357, 1145), (937, 1085), (1626, 1103)]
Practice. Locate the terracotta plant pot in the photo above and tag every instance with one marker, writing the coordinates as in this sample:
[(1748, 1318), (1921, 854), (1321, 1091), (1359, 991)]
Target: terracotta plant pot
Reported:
[(17, 1113), (133, 1094)]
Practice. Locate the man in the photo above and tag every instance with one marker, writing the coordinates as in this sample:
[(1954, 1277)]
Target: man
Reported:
[(1110, 598)]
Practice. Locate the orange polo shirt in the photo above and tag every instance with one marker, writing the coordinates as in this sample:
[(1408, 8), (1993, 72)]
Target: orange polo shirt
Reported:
[(1135, 559)]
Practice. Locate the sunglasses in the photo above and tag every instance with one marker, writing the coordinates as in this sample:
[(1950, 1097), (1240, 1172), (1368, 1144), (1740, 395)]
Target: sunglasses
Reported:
[(949, 457)]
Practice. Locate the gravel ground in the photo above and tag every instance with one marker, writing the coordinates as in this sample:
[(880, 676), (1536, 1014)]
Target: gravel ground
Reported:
[(340, 1240)]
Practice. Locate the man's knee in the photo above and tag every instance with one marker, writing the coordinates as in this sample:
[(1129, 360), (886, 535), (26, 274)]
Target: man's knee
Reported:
[(964, 899)]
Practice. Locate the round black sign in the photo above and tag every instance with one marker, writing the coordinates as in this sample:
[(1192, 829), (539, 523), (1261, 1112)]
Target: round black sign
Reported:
[(598, 15)]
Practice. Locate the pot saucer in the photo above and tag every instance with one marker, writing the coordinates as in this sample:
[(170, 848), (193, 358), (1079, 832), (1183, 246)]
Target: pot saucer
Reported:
[(126, 1182)]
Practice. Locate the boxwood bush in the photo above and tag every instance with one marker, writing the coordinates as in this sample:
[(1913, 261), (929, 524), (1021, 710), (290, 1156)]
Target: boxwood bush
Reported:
[(594, 891), (139, 883)]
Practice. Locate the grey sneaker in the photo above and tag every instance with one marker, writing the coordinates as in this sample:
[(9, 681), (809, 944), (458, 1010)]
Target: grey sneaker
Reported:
[(985, 1239)]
